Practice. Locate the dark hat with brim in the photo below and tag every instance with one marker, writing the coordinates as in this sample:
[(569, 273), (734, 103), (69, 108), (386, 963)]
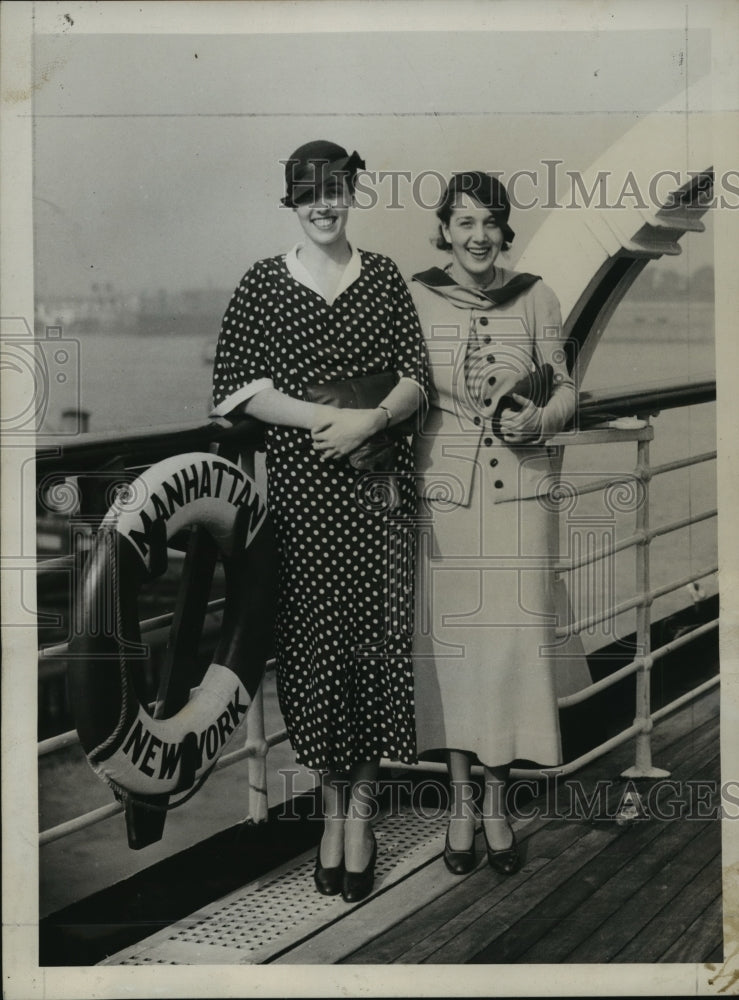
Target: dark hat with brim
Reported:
[(312, 164)]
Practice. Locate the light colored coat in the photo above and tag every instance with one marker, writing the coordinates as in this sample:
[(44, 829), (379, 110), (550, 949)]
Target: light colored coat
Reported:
[(503, 340), (488, 666)]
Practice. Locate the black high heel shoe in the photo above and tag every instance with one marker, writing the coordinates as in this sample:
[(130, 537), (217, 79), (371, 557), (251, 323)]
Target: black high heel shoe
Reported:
[(507, 861), (358, 885), (328, 880), (459, 862)]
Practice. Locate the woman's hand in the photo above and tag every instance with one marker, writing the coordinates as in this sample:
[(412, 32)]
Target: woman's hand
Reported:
[(520, 426), (338, 433)]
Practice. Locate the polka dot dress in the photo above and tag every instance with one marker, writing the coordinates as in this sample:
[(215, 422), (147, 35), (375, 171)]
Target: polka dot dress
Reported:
[(345, 538)]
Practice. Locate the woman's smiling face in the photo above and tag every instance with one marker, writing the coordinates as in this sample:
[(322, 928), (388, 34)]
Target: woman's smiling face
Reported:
[(475, 237), (324, 217)]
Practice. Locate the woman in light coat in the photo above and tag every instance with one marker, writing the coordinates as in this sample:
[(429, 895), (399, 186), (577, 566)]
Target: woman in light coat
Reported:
[(485, 649)]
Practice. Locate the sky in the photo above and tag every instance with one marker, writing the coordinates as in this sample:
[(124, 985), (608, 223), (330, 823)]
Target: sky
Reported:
[(157, 156)]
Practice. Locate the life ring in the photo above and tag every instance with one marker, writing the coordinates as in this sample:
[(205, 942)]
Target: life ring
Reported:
[(126, 746)]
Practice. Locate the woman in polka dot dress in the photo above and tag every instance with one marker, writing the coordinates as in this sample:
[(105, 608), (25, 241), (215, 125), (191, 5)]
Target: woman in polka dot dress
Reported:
[(321, 313)]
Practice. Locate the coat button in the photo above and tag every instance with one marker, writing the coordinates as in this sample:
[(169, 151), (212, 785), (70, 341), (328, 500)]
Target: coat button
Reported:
[(490, 359), (477, 420), (488, 442), (487, 340), (486, 402), (492, 380), (493, 462), (499, 484), (483, 321)]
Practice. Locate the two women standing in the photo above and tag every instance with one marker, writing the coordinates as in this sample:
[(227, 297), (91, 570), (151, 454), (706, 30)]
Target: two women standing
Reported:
[(484, 688)]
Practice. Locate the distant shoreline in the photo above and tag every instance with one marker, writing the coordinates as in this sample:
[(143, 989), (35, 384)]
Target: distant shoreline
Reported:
[(208, 326)]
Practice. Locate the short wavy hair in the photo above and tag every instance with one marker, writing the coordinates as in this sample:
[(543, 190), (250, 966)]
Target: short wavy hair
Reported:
[(487, 190)]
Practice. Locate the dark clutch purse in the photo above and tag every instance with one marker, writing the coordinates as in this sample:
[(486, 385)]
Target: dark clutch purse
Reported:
[(365, 393), (536, 386)]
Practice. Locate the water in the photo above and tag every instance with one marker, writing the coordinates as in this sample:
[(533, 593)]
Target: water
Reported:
[(130, 379), (650, 342)]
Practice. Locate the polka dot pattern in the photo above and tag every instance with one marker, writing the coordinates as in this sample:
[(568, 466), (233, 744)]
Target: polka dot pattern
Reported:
[(345, 538)]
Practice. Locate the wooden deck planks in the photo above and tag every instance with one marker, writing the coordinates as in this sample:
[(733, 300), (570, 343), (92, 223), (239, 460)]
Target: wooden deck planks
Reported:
[(468, 944), (681, 747), (556, 909), (560, 939), (626, 900), (439, 934), (626, 903), (562, 898), (705, 934), (463, 897), (674, 920), (553, 840), (670, 733), (405, 936), (573, 896)]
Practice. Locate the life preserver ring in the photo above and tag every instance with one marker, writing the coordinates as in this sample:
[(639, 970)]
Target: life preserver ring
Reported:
[(126, 746)]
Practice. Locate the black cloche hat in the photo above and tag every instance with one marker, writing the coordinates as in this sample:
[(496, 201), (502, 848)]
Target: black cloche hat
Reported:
[(312, 163)]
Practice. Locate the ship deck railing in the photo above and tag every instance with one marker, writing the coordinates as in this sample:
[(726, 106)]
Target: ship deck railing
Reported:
[(603, 419)]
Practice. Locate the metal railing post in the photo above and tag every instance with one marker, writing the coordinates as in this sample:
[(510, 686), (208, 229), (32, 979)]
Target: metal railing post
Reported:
[(643, 767), (257, 747)]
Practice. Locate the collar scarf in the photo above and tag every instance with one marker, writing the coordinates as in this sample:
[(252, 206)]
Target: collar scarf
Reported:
[(440, 282)]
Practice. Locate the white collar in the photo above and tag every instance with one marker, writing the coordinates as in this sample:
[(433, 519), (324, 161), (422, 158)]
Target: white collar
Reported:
[(301, 273)]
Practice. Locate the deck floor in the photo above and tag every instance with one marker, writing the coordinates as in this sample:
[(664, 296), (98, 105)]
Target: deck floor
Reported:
[(592, 889)]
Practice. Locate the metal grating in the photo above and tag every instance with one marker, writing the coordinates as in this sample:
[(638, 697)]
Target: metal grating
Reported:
[(266, 917)]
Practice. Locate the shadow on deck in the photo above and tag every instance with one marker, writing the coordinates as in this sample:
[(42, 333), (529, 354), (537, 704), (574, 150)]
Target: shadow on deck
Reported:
[(593, 888)]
